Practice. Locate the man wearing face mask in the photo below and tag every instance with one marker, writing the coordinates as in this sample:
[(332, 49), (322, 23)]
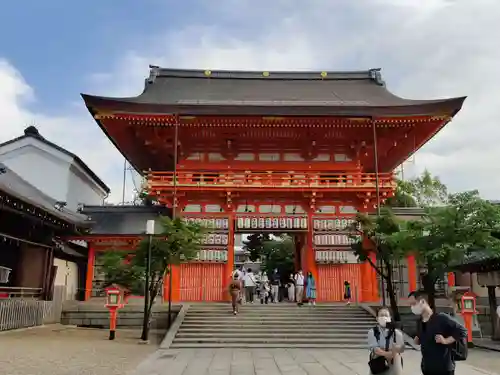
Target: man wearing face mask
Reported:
[(442, 339)]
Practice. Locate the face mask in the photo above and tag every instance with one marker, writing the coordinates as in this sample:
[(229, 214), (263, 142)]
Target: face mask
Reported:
[(417, 309), (383, 320)]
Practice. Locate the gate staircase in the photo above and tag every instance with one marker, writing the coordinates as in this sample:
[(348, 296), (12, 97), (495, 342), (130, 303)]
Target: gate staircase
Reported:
[(283, 325)]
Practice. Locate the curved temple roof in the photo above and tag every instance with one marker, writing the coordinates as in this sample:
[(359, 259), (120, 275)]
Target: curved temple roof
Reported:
[(198, 92)]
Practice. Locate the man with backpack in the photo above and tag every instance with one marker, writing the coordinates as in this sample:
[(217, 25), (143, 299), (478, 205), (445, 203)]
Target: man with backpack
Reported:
[(442, 339)]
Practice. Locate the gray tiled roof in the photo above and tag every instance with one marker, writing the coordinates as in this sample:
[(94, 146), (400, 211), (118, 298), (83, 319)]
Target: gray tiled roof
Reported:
[(278, 93), (122, 220)]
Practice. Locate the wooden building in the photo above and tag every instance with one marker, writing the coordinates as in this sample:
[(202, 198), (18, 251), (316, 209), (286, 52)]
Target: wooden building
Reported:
[(295, 152), (31, 229)]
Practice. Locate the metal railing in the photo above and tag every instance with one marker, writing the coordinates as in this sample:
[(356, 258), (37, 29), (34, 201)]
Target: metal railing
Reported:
[(249, 179), (18, 313), (19, 292)]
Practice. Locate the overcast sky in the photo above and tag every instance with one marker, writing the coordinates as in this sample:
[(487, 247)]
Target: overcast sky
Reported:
[(52, 50)]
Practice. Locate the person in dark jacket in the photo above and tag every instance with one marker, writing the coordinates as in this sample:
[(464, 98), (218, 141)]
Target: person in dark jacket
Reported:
[(437, 334)]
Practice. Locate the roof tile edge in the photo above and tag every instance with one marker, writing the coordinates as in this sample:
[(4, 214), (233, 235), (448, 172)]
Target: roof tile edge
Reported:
[(371, 74)]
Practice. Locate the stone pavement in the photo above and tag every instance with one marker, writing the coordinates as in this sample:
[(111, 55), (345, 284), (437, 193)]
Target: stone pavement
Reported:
[(63, 350), (290, 362)]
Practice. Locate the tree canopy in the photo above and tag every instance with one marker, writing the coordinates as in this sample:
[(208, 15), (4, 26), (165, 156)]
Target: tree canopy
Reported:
[(383, 235), (445, 236), (422, 191), (178, 241)]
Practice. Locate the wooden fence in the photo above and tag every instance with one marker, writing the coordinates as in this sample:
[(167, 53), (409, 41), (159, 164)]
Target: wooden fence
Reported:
[(18, 313)]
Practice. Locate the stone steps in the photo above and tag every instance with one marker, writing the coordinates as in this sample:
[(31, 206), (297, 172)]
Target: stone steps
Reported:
[(283, 325)]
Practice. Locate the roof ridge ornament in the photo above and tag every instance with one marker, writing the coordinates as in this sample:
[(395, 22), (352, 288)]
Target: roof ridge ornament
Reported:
[(376, 75), (154, 71)]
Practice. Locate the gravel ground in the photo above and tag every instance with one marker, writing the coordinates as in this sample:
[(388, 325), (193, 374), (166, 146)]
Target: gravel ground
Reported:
[(60, 350)]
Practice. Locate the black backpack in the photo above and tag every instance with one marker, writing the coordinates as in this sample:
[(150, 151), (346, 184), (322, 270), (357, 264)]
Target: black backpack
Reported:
[(460, 350), (379, 365)]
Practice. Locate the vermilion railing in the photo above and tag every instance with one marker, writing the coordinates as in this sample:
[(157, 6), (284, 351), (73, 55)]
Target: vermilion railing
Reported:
[(279, 180)]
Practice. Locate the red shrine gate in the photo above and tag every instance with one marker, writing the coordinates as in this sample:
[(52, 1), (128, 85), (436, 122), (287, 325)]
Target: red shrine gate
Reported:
[(298, 152)]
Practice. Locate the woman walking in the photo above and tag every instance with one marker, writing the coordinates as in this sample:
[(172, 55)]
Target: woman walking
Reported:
[(311, 289), (235, 291), (386, 345)]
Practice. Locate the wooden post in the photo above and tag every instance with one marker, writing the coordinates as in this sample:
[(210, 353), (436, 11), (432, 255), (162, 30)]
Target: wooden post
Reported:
[(495, 320), (112, 323), (90, 272), (412, 273)]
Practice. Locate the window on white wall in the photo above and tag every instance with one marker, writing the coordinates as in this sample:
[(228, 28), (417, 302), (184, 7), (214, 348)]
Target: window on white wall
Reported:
[(341, 158), (194, 156), (269, 157), (192, 208), (246, 208), (213, 208), (325, 209), (215, 156), (269, 209), (322, 157), (294, 209), (292, 157), (245, 156)]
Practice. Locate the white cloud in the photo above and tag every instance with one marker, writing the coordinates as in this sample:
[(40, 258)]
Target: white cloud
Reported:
[(74, 130), (427, 49)]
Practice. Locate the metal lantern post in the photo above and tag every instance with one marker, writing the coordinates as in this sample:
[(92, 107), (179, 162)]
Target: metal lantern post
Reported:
[(150, 230), (377, 191)]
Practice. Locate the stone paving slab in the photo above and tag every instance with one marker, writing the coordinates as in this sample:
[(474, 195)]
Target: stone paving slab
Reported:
[(63, 350), (290, 362)]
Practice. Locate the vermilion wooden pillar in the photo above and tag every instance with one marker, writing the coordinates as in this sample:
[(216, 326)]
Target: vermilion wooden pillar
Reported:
[(176, 284), (228, 271), (309, 258), (451, 279), (412, 273), (90, 271)]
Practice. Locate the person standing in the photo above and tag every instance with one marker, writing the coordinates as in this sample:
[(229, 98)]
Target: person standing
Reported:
[(240, 273), (291, 288), (275, 285), (386, 345), (250, 284), (441, 338), (299, 288), (234, 291), (264, 292), (311, 289), (347, 292)]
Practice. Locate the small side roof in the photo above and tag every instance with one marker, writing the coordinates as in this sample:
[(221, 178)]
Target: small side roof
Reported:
[(198, 92), (32, 132), (14, 185)]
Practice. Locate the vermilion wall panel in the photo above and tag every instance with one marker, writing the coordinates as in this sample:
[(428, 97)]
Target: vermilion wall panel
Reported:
[(331, 279), (201, 282)]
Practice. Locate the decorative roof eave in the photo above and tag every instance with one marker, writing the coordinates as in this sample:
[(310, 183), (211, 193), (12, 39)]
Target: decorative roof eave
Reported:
[(103, 106)]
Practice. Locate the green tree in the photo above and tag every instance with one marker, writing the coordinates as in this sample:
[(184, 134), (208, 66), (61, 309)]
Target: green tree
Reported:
[(445, 236), (279, 253), (255, 245), (422, 191), (384, 234), (178, 241)]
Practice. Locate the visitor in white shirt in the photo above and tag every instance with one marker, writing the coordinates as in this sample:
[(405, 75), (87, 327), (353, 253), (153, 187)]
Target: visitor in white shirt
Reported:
[(250, 284), (299, 287)]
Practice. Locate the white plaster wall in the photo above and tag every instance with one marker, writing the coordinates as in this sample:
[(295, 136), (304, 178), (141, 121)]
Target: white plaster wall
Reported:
[(40, 168), (81, 189), (51, 171), (67, 276)]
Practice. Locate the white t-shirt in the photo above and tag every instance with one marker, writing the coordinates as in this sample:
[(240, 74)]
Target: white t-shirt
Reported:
[(249, 279), (498, 311), (299, 280)]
